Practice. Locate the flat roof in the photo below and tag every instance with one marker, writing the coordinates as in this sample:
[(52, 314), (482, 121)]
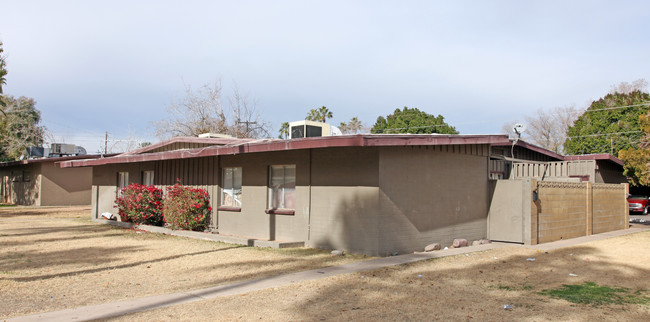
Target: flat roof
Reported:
[(596, 156), (270, 145), (243, 146), (56, 159)]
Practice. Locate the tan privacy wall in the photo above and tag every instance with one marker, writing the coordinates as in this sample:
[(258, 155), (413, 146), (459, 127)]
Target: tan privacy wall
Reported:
[(562, 211), (556, 210), (608, 206)]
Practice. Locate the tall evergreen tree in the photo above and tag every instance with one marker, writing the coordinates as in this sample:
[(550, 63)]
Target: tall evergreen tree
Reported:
[(414, 121)]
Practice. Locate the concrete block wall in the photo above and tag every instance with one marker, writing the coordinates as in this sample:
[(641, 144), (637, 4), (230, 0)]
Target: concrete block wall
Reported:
[(431, 194), (608, 207), (563, 212)]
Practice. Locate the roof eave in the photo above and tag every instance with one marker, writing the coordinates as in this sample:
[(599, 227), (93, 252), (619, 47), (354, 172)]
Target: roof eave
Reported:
[(358, 140)]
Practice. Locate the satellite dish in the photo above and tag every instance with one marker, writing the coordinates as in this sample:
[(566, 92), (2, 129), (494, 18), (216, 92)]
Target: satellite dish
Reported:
[(519, 129)]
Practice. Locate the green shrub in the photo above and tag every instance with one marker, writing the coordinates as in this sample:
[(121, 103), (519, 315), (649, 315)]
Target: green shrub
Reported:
[(187, 208), (140, 205)]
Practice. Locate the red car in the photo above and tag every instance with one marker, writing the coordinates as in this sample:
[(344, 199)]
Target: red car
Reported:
[(638, 204)]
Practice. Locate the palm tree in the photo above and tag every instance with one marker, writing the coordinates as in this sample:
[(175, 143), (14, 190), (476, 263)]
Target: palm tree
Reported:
[(351, 127), (324, 114), (284, 130), (355, 126), (319, 115)]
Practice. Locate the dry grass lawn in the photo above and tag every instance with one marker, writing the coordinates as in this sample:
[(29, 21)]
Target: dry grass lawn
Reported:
[(459, 288), (56, 258), (49, 263)]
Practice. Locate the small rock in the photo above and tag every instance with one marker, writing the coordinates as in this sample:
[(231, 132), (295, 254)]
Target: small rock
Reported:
[(337, 252), (476, 243), (460, 242), (432, 247), (485, 241)]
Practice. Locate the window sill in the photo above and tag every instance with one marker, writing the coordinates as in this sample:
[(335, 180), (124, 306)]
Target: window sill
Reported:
[(280, 211), (233, 209)]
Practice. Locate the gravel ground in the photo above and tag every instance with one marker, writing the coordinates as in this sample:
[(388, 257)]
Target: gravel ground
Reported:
[(56, 258)]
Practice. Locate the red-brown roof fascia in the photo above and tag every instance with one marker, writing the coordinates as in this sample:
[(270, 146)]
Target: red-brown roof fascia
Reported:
[(182, 139), (597, 157), (56, 160), (533, 147), (270, 145)]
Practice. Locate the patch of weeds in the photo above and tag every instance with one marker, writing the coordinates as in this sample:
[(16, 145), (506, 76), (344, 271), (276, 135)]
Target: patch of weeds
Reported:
[(513, 288), (4, 205), (592, 293)]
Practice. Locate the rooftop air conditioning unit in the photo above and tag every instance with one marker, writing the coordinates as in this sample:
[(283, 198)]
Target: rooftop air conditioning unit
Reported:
[(310, 129), (79, 150), (62, 149)]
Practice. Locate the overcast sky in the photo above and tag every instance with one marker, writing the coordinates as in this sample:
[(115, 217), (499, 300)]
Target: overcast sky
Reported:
[(95, 66)]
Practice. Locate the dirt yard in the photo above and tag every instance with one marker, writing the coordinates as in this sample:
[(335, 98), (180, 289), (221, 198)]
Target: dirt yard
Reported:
[(49, 263), (56, 258)]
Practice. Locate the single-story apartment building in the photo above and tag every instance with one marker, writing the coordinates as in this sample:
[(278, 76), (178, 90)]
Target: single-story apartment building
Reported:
[(41, 182), (372, 194)]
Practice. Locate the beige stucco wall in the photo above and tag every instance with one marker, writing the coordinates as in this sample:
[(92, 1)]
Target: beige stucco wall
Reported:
[(65, 186), (427, 195)]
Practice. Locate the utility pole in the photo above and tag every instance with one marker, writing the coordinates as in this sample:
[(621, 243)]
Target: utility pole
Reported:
[(247, 125), (106, 143)]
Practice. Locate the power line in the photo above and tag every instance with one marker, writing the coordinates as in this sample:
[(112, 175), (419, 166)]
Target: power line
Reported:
[(599, 134)]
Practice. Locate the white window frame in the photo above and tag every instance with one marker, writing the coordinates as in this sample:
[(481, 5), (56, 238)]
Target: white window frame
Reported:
[(147, 177), (122, 181), (282, 193), (231, 187)]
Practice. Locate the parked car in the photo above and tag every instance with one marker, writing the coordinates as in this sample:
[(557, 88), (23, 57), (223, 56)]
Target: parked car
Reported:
[(638, 204)]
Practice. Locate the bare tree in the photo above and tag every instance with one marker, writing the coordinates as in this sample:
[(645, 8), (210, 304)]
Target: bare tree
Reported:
[(548, 129), (625, 88), (246, 120), (201, 111)]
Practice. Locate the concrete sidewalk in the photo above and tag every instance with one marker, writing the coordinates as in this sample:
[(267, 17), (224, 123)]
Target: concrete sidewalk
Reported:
[(113, 309)]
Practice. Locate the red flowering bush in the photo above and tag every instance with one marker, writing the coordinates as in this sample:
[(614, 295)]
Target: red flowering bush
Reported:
[(141, 204), (187, 208)]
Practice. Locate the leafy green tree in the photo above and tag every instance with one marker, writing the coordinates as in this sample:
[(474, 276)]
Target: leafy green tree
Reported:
[(637, 159), (319, 115), (412, 120), (19, 129), (284, 130), (3, 80), (609, 125)]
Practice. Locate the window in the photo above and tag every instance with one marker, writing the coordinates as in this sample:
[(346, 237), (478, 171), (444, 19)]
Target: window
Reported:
[(147, 178), (27, 176), (122, 181), (231, 189), (17, 176), (282, 187)]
